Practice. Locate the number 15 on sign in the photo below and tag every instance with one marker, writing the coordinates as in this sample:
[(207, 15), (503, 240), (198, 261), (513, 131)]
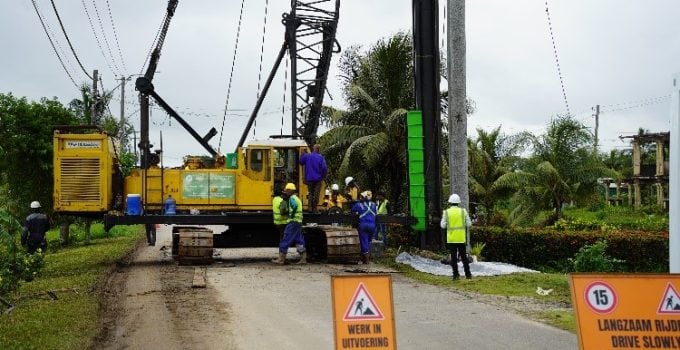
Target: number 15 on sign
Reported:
[(600, 297)]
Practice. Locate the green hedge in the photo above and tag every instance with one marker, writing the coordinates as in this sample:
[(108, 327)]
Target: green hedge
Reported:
[(549, 249)]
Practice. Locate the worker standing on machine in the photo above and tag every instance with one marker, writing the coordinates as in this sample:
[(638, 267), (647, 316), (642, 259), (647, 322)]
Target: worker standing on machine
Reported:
[(367, 211), (351, 189), (35, 227), (293, 232), (315, 173), (335, 199), (457, 223)]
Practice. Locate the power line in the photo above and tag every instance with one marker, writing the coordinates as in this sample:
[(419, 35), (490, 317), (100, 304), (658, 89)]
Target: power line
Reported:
[(636, 104), (115, 35), (60, 48), (67, 39), (96, 37), (231, 74), (106, 41), (42, 22), (557, 60)]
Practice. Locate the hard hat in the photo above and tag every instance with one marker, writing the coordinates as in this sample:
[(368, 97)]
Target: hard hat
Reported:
[(454, 199), (35, 205), (335, 187), (348, 180), (327, 192), (290, 186), (367, 194)]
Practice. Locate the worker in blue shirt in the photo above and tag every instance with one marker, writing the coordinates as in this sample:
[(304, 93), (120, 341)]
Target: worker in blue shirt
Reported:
[(315, 173), (367, 210)]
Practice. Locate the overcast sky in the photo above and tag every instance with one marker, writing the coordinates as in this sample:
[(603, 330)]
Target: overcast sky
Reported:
[(620, 54)]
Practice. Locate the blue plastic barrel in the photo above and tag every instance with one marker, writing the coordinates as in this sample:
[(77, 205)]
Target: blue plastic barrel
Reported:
[(134, 204)]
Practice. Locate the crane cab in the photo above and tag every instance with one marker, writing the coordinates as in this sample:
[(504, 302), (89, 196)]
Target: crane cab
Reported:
[(266, 167)]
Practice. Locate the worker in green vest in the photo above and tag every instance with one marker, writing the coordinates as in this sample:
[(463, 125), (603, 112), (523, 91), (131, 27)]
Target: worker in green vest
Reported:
[(280, 210), (292, 234), (456, 221), (383, 209)]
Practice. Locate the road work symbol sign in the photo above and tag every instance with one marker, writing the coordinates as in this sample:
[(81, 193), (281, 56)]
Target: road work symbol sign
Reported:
[(363, 313), (362, 306), (670, 303), (617, 311)]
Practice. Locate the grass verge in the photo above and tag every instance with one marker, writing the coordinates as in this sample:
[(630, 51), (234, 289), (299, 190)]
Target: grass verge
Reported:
[(520, 285), (70, 321)]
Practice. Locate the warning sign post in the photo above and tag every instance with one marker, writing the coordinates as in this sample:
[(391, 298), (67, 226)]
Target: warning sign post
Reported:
[(363, 313), (631, 311)]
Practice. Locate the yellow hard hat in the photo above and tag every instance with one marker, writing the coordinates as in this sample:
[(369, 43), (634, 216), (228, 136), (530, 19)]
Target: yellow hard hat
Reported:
[(290, 186)]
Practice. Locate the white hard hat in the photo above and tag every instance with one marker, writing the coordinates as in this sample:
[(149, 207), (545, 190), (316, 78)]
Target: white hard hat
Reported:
[(335, 187), (348, 180), (367, 194), (35, 205), (327, 192), (454, 199)]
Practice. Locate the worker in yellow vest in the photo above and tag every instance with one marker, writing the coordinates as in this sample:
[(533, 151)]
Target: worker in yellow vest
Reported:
[(383, 209), (293, 231), (280, 210), (456, 221)]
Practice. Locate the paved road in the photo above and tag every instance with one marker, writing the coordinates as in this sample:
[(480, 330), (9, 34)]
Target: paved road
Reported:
[(252, 304)]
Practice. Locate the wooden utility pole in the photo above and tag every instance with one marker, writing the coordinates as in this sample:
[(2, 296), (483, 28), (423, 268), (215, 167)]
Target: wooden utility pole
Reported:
[(122, 110), (93, 98), (597, 126), (458, 151)]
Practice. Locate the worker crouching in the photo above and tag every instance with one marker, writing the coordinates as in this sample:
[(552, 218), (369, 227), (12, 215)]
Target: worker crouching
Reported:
[(367, 211), (292, 234)]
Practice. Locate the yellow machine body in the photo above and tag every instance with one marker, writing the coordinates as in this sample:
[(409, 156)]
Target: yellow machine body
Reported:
[(84, 165), (258, 169), (84, 171)]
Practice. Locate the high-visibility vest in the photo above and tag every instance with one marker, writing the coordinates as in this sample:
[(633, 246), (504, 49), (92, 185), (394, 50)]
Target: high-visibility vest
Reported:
[(382, 208), (279, 219), (295, 209), (455, 225)]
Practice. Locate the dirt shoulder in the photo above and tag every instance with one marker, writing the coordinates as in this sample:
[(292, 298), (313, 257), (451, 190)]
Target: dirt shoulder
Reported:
[(150, 304)]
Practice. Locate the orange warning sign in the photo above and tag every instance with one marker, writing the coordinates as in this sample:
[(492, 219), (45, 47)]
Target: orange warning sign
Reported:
[(617, 311), (363, 313)]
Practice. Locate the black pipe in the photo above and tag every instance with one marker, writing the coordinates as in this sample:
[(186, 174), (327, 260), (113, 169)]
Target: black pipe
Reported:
[(426, 65), (186, 125)]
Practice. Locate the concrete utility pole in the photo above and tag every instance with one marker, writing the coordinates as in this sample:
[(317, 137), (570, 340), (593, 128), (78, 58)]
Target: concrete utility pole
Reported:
[(674, 180), (122, 110), (93, 98), (458, 151), (597, 126)]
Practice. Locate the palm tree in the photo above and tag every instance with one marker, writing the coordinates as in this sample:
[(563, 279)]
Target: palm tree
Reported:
[(492, 155), (368, 140), (561, 169)]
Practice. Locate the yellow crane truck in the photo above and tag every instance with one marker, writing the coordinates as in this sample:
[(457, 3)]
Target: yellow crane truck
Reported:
[(233, 189)]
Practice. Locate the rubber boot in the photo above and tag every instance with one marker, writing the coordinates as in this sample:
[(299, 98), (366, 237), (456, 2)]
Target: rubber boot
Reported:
[(281, 260), (303, 258)]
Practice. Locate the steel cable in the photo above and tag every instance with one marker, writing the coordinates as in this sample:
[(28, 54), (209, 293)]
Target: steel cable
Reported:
[(231, 74)]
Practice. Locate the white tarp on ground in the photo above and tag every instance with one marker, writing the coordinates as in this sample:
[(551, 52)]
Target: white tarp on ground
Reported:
[(482, 268)]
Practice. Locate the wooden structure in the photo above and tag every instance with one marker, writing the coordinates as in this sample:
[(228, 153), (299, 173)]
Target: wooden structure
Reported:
[(656, 174)]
